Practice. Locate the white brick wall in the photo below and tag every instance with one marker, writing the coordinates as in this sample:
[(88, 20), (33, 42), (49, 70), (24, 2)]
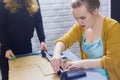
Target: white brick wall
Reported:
[(58, 19), (105, 7)]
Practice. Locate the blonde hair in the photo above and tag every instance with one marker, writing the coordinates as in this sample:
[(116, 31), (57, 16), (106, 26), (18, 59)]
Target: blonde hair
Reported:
[(13, 5)]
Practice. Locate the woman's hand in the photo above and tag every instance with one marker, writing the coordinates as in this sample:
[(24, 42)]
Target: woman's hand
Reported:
[(56, 63), (83, 64), (72, 65), (43, 46), (9, 54)]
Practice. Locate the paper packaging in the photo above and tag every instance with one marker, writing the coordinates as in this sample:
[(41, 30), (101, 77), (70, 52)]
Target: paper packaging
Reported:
[(31, 68)]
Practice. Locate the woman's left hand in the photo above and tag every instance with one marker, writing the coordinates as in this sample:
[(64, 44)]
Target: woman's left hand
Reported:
[(72, 65), (43, 46)]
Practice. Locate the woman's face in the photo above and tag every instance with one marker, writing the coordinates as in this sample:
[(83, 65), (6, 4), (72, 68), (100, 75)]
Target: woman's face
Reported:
[(83, 17)]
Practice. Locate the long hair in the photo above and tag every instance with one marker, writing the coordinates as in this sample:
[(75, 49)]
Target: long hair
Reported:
[(13, 5)]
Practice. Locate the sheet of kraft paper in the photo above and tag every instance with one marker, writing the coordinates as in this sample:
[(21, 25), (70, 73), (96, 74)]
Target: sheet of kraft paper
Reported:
[(31, 68)]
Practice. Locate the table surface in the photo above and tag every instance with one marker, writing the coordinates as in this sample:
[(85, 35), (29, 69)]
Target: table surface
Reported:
[(90, 74)]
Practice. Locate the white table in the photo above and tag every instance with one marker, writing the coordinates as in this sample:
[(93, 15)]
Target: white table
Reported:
[(91, 74)]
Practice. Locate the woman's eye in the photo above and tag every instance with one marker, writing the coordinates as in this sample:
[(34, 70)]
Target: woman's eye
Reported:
[(83, 18), (80, 18)]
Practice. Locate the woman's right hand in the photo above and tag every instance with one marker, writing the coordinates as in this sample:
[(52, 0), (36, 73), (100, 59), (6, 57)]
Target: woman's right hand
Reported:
[(9, 54), (56, 63)]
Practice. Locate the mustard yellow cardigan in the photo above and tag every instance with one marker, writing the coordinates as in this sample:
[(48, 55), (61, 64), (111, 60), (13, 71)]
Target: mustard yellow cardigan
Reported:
[(111, 45)]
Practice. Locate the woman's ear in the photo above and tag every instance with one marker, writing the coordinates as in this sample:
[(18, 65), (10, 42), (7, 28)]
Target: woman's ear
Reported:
[(95, 12)]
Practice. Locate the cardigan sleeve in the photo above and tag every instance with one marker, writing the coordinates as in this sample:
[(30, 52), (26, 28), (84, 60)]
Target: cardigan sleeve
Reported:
[(39, 26), (3, 35), (111, 60), (72, 36)]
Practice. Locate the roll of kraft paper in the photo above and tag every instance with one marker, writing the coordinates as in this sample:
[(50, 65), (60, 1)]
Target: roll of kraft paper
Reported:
[(72, 74)]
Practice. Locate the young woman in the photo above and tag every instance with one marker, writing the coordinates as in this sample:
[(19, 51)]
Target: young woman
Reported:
[(18, 18), (98, 37)]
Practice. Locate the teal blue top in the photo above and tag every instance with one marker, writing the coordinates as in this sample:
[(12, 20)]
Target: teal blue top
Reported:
[(94, 50)]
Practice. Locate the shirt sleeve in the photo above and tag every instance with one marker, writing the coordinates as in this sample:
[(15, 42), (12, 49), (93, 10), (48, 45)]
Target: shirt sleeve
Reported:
[(72, 36), (3, 33), (111, 60), (39, 26)]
